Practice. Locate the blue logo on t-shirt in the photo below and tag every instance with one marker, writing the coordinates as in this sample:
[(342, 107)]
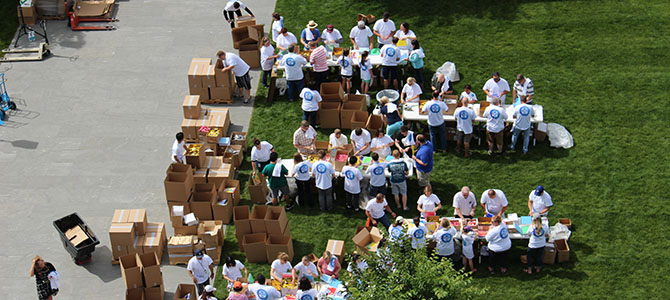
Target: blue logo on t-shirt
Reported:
[(524, 111), (465, 243), (364, 67), (309, 96), (495, 114), (538, 235), (503, 233), (446, 238), (419, 234), (349, 174), (464, 115), (306, 297), (396, 232), (435, 108), (303, 169), (290, 62), (378, 171), (390, 51), (345, 63), (262, 294), (321, 168)]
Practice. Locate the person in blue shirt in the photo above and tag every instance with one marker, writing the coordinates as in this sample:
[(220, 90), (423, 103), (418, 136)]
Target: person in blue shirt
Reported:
[(309, 34), (415, 58), (424, 160)]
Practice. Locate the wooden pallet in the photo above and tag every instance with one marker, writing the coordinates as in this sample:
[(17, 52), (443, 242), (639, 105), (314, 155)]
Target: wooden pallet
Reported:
[(217, 101), (115, 261)]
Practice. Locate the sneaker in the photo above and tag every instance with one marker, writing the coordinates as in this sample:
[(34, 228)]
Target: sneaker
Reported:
[(290, 206), (268, 202)]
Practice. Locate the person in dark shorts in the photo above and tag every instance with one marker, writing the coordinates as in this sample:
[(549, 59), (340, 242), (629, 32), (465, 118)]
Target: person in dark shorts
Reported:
[(231, 61)]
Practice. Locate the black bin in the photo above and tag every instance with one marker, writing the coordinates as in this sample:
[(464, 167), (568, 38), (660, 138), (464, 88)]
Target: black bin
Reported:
[(82, 252)]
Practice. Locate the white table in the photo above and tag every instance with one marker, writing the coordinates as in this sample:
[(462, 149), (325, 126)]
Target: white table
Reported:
[(375, 60), (411, 113), (288, 163)]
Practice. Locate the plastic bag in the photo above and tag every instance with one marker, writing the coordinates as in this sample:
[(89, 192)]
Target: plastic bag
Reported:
[(449, 71), (559, 137), (559, 232), (281, 85)]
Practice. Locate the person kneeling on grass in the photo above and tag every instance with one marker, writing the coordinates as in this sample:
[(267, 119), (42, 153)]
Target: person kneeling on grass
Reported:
[(276, 174)]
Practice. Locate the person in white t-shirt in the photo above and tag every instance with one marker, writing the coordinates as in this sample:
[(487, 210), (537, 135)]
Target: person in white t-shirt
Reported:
[(281, 266), (262, 291), (268, 59), (306, 291), (323, 174), (465, 116), (376, 211), (346, 69), (538, 238), (522, 114), (366, 72), (201, 269), (232, 8), (495, 124), (381, 144), (468, 240), (260, 154), (306, 268), (384, 30), (293, 64), (411, 91), (496, 87), (361, 36), (360, 141), (178, 148), (418, 234), (390, 57), (435, 109), (494, 202), (285, 39), (397, 230), (302, 176), (310, 105), (231, 61), (337, 141), (405, 34), (232, 271), (445, 240), (464, 204), (352, 183), (428, 203), (277, 25), (498, 243), (468, 94), (377, 176), (539, 202), (331, 36), (523, 89)]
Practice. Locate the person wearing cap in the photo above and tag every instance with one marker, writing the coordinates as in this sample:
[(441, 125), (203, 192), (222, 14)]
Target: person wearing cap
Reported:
[(384, 30), (361, 36), (319, 60), (539, 201), (391, 116), (201, 269), (232, 8), (263, 291), (523, 89), (293, 64), (499, 244), (331, 36), (260, 154), (522, 115), (375, 210), (465, 117), (277, 25), (496, 87), (285, 39), (208, 293), (424, 160), (232, 271), (231, 61), (304, 138), (405, 34), (494, 202), (178, 149), (237, 293), (390, 57), (310, 105), (337, 140), (495, 124), (464, 204), (435, 109), (310, 34)]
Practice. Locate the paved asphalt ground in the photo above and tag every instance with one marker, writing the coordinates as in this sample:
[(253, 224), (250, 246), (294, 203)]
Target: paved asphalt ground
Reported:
[(94, 132)]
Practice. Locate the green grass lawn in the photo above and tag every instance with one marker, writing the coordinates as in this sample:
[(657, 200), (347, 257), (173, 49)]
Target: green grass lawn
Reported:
[(600, 69), (8, 23)]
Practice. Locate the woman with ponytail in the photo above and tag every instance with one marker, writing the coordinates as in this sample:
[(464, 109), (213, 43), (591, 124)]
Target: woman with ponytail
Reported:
[(538, 238)]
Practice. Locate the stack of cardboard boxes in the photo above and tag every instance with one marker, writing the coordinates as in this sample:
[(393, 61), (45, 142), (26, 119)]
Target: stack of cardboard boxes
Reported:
[(210, 234), (130, 234), (142, 276), (332, 94), (196, 117), (263, 232), (211, 84), (352, 104), (247, 39)]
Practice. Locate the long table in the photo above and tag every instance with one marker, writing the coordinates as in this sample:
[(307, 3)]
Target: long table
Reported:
[(411, 113), (375, 60)]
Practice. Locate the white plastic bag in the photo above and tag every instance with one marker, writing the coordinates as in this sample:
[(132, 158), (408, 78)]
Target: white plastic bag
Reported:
[(559, 137), (449, 71), (281, 85), (559, 232)]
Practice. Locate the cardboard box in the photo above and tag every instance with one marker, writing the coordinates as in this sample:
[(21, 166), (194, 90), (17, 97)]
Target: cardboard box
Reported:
[(359, 119), (540, 132), (374, 123), (329, 114), (220, 93), (245, 21), (224, 79), (209, 78), (255, 247), (201, 205), (136, 246), (258, 189), (186, 230), (257, 218), (204, 188), (275, 220), (135, 294), (367, 240), (191, 107), (196, 73), (549, 257), (246, 35), (358, 98), (215, 175), (177, 220), (197, 160), (277, 244), (332, 91), (153, 243), (180, 249), (451, 108), (202, 92), (251, 54), (482, 107), (239, 138), (154, 293), (241, 216), (178, 187), (122, 234), (336, 247), (190, 126), (139, 217), (151, 269), (211, 232), (121, 216), (76, 235), (347, 109), (180, 168), (118, 251), (222, 209), (130, 271), (220, 118), (234, 155), (565, 221), (230, 189), (214, 253), (28, 11), (562, 251), (185, 291)]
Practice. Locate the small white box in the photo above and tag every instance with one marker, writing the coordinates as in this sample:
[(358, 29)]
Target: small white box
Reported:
[(178, 210), (190, 220)]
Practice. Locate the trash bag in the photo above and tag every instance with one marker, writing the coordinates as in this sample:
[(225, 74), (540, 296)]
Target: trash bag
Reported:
[(449, 71), (281, 85), (559, 137), (559, 232)]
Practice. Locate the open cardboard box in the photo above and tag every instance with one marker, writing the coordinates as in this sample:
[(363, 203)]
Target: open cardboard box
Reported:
[(222, 210), (246, 35), (178, 187), (359, 119), (130, 271), (257, 218), (245, 21), (201, 205), (329, 114), (482, 107), (251, 54), (347, 109), (211, 232), (230, 189), (151, 269), (135, 294), (332, 91), (368, 240), (255, 247), (154, 293), (562, 251), (275, 220), (549, 257), (258, 191), (242, 142), (373, 124), (185, 291), (241, 216), (180, 168), (277, 244)]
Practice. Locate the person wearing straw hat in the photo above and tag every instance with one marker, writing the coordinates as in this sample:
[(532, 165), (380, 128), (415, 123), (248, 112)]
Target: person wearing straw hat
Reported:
[(310, 34)]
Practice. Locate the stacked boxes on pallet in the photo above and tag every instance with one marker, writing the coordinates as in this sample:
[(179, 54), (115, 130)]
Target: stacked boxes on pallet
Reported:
[(212, 85), (142, 276), (263, 232), (130, 233)]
